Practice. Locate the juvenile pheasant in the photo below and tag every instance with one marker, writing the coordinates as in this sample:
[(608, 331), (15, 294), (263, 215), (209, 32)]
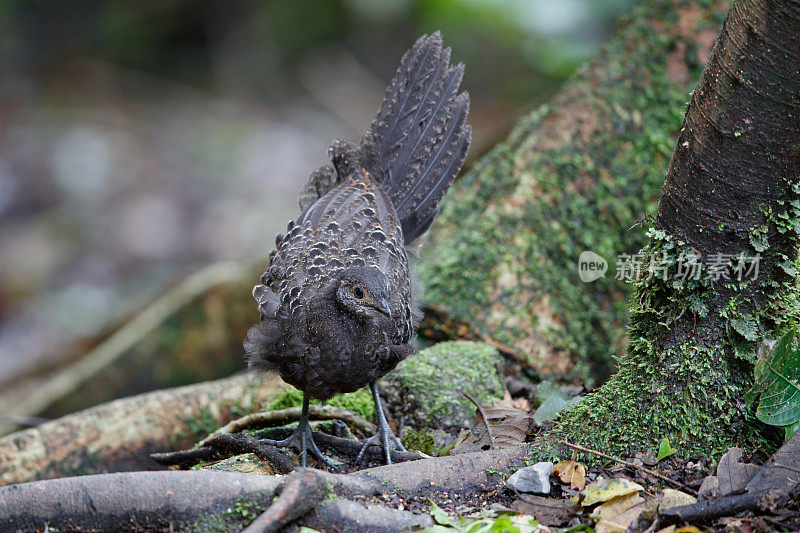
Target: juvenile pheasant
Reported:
[(335, 303)]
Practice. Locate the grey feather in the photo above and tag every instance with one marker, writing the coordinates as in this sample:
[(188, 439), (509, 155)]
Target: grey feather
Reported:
[(417, 143)]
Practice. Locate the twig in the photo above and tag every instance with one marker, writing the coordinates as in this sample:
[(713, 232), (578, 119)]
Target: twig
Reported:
[(787, 467), (483, 418), (68, 378), (628, 463), (185, 458), (300, 493), (290, 414), (21, 420), (708, 509), (223, 446)]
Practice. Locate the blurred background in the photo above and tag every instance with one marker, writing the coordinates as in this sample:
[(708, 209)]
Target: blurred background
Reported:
[(143, 140)]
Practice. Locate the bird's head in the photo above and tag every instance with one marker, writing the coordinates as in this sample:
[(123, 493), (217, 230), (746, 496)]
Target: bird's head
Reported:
[(364, 292)]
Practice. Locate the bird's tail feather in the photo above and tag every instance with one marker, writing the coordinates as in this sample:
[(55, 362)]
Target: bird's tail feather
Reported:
[(418, 141)]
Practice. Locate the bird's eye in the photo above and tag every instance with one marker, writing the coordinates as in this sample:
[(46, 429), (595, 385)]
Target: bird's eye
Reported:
[(358, 292)]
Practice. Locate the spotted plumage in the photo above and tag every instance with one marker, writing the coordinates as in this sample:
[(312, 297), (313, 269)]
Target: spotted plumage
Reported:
[(336, 302)]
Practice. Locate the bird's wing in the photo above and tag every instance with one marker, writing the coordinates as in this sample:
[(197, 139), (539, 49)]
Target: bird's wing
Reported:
[(356, 210)]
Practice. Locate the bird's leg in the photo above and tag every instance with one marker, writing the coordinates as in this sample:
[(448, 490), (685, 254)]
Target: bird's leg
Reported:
[(302, 439), (385, 433)]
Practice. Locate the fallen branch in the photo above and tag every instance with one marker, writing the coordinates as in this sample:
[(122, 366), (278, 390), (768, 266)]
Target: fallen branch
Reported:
[(300, 493), (238, 444), (150, 500), (63, 380), (162, 499), (653, 473), (454, 472), (185, 458), (710, 509), (292, 414), (120, 435), (356, 517)]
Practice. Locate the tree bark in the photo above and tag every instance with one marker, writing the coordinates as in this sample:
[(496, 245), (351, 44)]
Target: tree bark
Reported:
[(575, 175), (732, 188)]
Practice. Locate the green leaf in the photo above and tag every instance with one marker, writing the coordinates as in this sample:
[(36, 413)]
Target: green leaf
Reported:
[(556, 402), (436, 528), (777, 384), (579, 527), (440, 516), (503, 525), (664, 449), (478, 526), (789, 430)]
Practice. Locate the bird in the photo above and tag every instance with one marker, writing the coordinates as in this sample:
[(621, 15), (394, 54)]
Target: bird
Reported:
[(335, 304)]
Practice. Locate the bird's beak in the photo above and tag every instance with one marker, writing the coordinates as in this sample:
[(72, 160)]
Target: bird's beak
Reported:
[(382, 305)]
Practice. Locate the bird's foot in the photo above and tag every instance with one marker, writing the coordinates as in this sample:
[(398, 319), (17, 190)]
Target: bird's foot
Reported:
[(301, 440), (383, 437)]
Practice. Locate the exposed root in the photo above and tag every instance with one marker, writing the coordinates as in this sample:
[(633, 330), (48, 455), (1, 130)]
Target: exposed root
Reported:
[(163, 499), (222, 446), (299, 494), (292, 414), (238, 444)]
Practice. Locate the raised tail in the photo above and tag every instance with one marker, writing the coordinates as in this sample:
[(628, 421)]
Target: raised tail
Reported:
[(417, 143)]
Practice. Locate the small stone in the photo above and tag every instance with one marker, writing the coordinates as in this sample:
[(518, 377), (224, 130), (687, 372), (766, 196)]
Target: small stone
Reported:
[(532, 479), (498, 507)]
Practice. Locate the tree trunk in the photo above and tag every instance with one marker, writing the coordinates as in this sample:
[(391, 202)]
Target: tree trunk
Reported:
[(732, 189), (575, 175)]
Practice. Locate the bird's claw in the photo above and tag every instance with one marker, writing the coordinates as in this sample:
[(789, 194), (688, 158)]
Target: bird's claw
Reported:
[(301, 440), (382, 438)]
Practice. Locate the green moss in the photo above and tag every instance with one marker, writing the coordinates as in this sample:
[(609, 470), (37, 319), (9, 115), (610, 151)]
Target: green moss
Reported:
[(421, 440), (359, 402), (236, 517), (688, 390), (198, 426), (502, 254), (428, 388)]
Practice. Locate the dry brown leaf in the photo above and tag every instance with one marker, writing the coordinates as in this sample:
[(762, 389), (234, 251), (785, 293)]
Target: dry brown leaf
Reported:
[(666, 499), (571, 472), (732, 473), (522, 404), (506, 401), (547, 511), (495, 428), (615, 515)]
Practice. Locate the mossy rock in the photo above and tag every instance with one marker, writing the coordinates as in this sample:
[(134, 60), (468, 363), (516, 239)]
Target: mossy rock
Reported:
[(428, 388)]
